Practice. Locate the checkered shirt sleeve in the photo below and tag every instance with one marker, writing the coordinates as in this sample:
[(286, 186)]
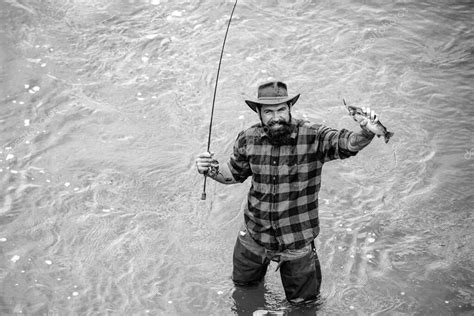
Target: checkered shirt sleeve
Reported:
[(333, 143), (239, 163)]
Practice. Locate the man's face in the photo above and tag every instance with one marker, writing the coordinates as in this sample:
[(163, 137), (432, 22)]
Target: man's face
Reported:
[(276, 123), (275, 116)]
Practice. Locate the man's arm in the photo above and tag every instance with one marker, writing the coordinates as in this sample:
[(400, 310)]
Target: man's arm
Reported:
[(210, 167), (342, 144), (236, 170), (358, 140)]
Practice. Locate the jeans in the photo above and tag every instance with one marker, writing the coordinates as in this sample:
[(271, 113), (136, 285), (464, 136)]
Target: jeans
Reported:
[(300, 270)]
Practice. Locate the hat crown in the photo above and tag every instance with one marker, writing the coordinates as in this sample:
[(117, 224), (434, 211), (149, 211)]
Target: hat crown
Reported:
[(275, 89), (272, 93)]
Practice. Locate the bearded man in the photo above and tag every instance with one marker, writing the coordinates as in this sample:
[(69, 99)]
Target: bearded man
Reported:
[(284, 156)]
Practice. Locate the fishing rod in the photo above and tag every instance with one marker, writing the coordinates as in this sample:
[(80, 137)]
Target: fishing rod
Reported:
[(203, 195)]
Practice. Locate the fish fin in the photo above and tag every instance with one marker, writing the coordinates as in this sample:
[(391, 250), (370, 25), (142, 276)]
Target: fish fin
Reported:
[(347, 107), (387, 136)]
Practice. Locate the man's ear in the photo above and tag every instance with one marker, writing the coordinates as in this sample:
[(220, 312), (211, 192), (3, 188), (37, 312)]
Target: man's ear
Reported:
[(259, 112)]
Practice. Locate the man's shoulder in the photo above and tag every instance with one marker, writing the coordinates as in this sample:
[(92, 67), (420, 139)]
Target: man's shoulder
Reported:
[(253, 131), (253, 134), (310, 127)]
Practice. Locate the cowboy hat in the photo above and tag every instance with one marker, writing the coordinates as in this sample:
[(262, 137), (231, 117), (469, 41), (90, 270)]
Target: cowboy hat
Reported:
[(274, 92)]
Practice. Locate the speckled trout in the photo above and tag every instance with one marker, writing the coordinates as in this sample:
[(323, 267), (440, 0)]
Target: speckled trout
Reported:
[(358, 115)]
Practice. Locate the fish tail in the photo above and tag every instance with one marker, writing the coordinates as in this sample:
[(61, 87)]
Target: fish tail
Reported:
[(387, 136)]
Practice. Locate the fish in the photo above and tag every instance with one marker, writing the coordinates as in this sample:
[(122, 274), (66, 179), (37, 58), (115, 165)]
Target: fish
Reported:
[(378, 129)]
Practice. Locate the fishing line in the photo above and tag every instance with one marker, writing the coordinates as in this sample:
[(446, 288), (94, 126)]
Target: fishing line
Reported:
[(203, 195)]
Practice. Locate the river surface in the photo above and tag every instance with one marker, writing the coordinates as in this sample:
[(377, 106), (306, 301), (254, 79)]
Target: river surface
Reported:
[(105, 104)]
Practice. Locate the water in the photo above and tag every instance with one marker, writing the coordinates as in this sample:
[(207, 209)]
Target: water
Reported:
[(105, 104)]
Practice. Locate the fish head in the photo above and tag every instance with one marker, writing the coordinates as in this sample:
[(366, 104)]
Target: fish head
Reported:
[(352, 109)]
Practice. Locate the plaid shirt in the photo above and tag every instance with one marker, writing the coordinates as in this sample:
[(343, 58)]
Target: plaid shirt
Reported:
[(282, 208)]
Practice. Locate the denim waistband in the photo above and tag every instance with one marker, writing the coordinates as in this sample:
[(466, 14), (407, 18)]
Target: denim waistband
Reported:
[(279, 256)]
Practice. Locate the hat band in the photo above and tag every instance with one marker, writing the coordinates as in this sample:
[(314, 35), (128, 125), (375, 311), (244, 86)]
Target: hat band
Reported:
[(272, 98)]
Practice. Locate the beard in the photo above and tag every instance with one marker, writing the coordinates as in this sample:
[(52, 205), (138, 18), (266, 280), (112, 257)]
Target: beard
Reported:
[(279, 132)]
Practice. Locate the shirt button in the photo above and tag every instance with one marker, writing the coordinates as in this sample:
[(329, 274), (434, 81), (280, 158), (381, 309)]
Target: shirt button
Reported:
[(274, 162)]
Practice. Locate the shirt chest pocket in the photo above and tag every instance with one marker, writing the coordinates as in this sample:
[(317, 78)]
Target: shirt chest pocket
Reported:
[(289, 174), (302, 172)]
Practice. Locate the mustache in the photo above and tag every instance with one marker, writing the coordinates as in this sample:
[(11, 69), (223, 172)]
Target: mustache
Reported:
[(279, 121)]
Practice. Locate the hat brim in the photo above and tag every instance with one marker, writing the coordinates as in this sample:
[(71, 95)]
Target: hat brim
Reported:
[(254, 104)]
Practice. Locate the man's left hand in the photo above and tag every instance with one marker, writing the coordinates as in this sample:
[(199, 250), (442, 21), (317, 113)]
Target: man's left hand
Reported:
[(371, 118)]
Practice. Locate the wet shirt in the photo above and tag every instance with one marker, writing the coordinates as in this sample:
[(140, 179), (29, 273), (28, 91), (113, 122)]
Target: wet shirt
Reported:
[(282, 208)]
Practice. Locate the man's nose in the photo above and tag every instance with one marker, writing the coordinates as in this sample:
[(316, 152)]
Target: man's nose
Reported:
[(277, 116), (274, 115)]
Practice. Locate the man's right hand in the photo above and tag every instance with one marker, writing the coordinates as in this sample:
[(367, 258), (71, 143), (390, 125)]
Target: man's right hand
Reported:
[(207, 165), (203, 162)]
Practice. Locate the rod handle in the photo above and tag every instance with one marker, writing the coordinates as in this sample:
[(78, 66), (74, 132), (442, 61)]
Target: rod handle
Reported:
[(203, 194)]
